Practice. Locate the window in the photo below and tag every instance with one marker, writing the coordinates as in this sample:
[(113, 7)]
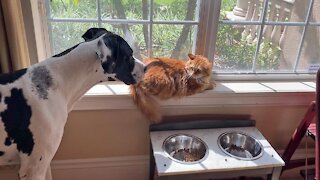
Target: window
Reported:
[(152, 28), (280, 38), (269, 36)]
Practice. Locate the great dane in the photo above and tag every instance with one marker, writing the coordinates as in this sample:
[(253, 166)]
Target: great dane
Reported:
[(35, 102)]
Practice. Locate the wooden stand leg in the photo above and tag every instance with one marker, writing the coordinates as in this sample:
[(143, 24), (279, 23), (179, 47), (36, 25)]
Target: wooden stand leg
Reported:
[(151, 164), (275, 174)]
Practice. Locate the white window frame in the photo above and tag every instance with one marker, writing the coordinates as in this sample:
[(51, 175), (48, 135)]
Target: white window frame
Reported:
[(206, 30), (268, 76), (150, 22), (261, 90)]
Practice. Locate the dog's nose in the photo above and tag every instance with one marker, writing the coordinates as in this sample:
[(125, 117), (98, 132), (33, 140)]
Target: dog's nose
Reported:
[(145, 69)]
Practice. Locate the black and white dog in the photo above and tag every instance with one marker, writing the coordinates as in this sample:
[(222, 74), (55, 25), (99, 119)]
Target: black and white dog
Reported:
[(35, 102)]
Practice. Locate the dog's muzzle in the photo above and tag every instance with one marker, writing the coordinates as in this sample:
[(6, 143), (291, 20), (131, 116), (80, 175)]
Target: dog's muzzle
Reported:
[(138, 70), (133, 77)]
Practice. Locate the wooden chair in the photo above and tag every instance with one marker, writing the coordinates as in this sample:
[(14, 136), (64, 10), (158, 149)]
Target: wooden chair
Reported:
[(306, 126)]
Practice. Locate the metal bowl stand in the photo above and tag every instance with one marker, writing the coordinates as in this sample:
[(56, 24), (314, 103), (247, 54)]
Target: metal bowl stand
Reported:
[(273, 174)]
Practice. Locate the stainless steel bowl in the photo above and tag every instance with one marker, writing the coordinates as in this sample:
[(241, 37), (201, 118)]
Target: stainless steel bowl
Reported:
[(185, 148), (240, 146)]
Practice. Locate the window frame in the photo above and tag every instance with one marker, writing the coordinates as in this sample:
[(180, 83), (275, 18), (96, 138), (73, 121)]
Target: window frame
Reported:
[(150, 21), (270, 75), (207, 24)]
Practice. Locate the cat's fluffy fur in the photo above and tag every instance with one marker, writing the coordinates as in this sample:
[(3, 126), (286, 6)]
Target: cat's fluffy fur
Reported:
[(170, 78)]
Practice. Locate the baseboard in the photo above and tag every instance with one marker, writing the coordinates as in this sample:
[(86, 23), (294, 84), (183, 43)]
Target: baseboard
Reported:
[(117, 168), (113, 168), (124, 161)]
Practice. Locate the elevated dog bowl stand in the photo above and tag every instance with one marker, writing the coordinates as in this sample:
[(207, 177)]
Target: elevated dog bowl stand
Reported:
[(216, 164)]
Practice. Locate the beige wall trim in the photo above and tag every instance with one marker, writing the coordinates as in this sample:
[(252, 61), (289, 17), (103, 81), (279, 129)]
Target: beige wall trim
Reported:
[(125, 167), (117, 168), (105, 102), (124, 161), (108, 95)]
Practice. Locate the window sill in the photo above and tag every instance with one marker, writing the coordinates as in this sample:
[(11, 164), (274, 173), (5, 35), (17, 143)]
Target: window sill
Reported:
[(113, 95)]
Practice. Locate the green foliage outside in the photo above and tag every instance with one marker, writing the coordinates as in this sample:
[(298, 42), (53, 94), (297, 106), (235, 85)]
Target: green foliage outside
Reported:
[(65, 35), (233, 51)]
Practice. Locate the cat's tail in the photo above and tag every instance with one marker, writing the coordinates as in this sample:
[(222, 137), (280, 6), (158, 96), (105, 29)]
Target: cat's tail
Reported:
[(146, 103)]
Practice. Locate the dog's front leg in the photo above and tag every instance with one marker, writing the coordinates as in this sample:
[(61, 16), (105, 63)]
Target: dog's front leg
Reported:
[(36, 166), (32, 170), (48, 174)]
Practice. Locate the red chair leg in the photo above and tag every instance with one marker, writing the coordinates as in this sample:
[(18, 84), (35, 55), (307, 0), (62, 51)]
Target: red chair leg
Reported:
[(317, 155), (318, 126), (298, 135)]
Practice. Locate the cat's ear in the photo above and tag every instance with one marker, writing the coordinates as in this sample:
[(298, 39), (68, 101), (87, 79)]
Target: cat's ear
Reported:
[(191, 56)]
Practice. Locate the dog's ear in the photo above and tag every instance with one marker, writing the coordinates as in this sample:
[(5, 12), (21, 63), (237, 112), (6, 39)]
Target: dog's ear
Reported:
[(93, 33)]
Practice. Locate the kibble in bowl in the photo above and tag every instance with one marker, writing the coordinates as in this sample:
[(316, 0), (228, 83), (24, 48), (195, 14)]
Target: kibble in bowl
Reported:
[(185, 148)]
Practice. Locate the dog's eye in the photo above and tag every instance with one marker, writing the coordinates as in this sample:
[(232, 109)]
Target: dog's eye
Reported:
[(134, 74)]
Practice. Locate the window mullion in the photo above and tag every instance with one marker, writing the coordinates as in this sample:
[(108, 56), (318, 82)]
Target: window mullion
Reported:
[(264, 12), (99, 13), (150, 53), (196, 28), (48, 11), (267, 23), (303, 36), (208, 27), (74, 20), (314, 24)]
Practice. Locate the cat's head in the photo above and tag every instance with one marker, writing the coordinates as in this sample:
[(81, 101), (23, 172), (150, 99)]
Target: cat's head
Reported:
[(198, 66)]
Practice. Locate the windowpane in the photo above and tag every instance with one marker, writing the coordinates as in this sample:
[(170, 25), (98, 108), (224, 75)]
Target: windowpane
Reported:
[(279, 45), (310, 54), (275, 48), (287, 10), (234, 49), (236, 42), (174, 9), (114, 27), (172, 41), (73, 9), (124, 9), (278, 10), (66, 35), (140, 39), (241, 10), (135, 36), (226, 11), (315, 15)]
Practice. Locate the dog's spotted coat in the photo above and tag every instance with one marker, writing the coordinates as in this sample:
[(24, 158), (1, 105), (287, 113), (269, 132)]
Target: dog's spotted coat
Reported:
[(35, 102)]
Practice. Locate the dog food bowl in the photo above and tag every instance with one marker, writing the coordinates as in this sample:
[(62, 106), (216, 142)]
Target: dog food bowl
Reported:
[(240, 146), (185, 148)]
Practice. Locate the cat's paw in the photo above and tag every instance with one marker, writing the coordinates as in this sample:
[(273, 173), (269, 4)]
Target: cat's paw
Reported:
[(214, 84), (211, 85)]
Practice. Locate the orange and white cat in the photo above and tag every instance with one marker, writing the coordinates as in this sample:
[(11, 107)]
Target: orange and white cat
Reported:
[(170, 78)]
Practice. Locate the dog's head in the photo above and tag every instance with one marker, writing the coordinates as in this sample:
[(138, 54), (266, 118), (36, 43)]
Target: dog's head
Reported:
[(116, 56)]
